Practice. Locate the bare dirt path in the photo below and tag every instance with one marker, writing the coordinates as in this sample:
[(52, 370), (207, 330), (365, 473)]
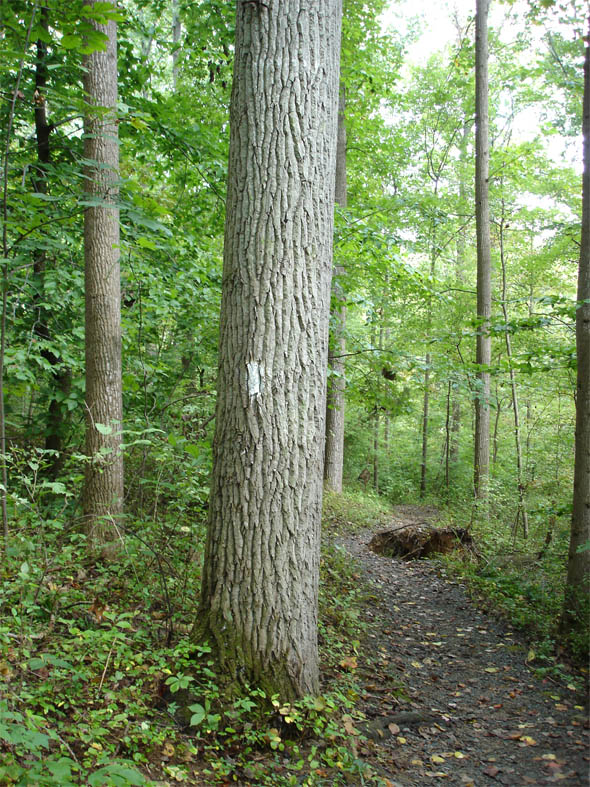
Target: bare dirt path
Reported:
[(448, 694)]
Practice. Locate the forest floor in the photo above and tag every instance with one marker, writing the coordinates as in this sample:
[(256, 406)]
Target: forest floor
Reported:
[(448, 692)]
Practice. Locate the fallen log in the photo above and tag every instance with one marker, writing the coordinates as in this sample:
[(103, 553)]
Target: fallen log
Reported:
[(411, 542)]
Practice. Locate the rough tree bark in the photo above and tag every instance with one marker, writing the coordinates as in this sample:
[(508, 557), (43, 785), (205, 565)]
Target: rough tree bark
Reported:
[(258, 606), (103, 489), (481, 465), (578, 567), (334, 453)]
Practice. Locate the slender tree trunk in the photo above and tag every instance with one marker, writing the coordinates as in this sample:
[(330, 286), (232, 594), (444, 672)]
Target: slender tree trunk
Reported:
[(103, 490), (61, 376), (5, 276), (334, 454), (484, 290), (258, 606), (459, 277), (455, 427), (496, 427), (376, 450), (377, 414), (386, 415), (425, 406), (428, 362), (522, 511), (448, 435), (176, 32), (578, 567)]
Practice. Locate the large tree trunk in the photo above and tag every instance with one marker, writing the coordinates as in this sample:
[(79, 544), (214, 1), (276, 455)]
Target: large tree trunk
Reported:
[(103, 490), (334, 454), (578, 568), (484, 287), (260, 580)]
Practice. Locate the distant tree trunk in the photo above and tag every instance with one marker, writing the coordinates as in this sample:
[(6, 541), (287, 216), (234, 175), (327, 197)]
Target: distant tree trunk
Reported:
[(176, 32), (520, 480), (258, 606), (334, 454), (386, 416), (103, 490), (377, 414), (61, 376), (425, 406), (578, 567), (459, 277), (428, 362), (376, 450), (448, 434), (484, 289), (455, 427), (499, 403)]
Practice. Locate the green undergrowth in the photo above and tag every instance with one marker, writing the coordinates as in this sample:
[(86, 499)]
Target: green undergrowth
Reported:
[(523, 580), (95, 658), (354, 510)]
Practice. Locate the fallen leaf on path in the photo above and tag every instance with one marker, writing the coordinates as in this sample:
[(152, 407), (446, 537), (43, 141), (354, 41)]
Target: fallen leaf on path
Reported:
[(491, 669), (491, 770), (349, 726), (437, 758), (393, 729)]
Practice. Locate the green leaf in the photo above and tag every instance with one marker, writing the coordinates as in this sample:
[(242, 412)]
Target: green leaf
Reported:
[(56, 487), (104, 429), (193, 450), (71, 41), (117, 775), (146, 243), (198, 716)]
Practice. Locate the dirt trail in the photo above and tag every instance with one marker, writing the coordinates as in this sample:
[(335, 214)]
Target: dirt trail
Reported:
[(473, 712)]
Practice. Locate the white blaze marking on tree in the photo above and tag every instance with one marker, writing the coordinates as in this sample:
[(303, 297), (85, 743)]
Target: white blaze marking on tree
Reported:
[(254, 380)]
